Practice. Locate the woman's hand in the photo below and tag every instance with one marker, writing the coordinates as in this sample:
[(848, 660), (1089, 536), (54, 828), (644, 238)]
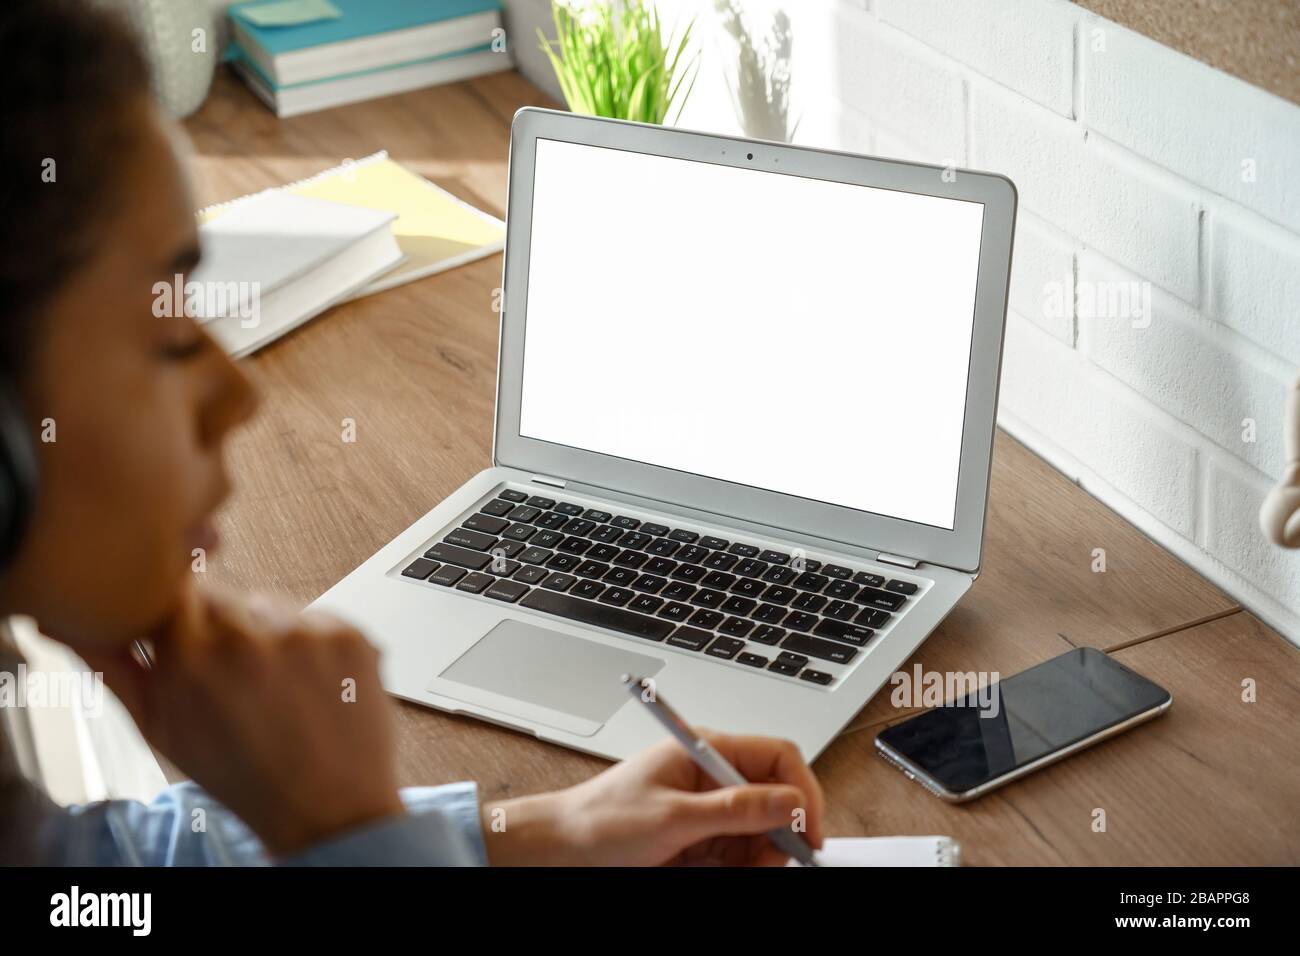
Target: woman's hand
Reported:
[(279, 715), (659, 808)]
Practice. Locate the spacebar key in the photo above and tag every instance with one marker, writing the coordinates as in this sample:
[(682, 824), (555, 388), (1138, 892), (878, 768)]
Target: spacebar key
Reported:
[(597, 615)]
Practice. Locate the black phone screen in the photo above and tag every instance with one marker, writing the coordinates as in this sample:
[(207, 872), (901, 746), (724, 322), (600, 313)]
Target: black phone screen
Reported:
[(1018, 720)]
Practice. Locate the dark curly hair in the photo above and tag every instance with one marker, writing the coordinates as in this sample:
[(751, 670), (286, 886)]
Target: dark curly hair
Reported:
[(71, 69)]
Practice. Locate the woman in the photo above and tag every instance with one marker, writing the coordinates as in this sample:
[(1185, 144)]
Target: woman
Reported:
[(133, 411)]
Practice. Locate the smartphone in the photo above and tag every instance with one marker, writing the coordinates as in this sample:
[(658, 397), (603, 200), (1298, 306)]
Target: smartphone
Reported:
[(994, 735)]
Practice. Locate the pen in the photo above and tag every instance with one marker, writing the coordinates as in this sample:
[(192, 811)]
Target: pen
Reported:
[(715, 765)]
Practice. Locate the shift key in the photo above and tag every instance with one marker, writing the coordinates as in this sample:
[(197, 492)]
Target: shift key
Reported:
[(817, 647), (461, 557)]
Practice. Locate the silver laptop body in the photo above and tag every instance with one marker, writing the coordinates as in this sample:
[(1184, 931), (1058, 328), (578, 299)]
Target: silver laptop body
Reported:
[(745, 408)]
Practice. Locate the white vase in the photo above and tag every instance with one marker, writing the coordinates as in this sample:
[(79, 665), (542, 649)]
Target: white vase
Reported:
[(183, 42)]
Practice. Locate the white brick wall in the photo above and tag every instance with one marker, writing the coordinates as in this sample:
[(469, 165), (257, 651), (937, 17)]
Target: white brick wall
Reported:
[(1137, 167)]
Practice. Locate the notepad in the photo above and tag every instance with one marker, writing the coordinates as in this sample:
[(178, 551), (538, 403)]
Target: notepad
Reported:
[(889, 851), (277, 259)]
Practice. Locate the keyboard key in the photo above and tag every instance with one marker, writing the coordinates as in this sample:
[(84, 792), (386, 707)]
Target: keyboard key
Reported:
[(684, 536), (725, 647), (599, 615), (678, 591), (519, 532), (811, 582), (420, 569), (842, 590), (507, 549), (714, 544), (817, 677), (718, 580), (525, 513), (502, 566), (799, 621), (768, 614), (690, 638), (790, 658), (779, 575), (591, 569), (574, 545), (748, 587), (779, 595), (774, 557), (631, 559), (461, 557), (902, 587), (568, 508), (706, 598), (593, 515), (720, 561), (635, 540), (812, 603), (810, 565), (873, 617), (564, 562), (623, 577), (737, 605), (545, 504), (626, 523), (530, 574), (513, 496), (705, 618), (508, 591), (474, 582), (474, 540), (840, 610), (871, 580), (605, 533), (663, 546), (655, 530), (689, 572), (837, 571), (744, 550), (547, 539), (779, 666), (660, 566), (587, 589), (485, 523), (767, 634), (497, 508), (751, 660), (552, 521), (534, 555), (646, 603), (736, 627), (675, 611), (649, 584), (447, 575), (750, 568), (882, 599), (843, 631), (692, 554), (559, 582), (578, 526), (602, 552), (832, 651), (617, 596)]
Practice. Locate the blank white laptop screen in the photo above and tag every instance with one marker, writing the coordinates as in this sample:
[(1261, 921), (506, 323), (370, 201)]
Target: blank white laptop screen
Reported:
[(807, 337)]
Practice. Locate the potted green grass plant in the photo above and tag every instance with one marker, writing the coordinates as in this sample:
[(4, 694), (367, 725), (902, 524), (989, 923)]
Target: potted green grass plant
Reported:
[(619, 63)]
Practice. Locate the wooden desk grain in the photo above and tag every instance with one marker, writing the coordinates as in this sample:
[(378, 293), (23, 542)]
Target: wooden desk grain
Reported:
[(414, 368)]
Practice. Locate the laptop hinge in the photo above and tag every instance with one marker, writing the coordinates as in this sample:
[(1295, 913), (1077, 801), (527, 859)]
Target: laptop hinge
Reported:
[(911, 563), (549, 482)]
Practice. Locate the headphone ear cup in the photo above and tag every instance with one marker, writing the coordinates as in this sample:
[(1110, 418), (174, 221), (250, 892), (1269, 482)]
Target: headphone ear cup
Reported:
[(18, 476)]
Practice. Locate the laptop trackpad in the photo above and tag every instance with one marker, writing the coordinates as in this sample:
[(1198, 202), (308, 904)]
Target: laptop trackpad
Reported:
[(542, 676)]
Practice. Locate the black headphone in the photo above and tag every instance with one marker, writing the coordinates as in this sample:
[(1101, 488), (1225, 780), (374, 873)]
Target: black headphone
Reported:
[(18, 474)]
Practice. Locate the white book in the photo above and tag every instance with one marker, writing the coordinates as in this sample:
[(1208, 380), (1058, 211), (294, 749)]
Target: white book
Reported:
[(278, 259), (289, 101), (889, 851)]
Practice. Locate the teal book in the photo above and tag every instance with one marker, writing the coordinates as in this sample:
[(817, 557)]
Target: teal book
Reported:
[(359, 18)]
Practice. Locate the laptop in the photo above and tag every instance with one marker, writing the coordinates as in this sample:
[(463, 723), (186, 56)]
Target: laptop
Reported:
[(744, 418)]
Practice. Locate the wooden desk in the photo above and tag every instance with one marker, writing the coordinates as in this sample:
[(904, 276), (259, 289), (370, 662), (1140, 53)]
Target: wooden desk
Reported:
[(1215, 781)]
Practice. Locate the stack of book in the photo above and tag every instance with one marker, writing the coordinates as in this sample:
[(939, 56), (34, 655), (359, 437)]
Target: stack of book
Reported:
[(305, 55)]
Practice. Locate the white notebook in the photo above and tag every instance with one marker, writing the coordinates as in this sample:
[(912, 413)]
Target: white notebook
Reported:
[(278, 259), (889, 851)]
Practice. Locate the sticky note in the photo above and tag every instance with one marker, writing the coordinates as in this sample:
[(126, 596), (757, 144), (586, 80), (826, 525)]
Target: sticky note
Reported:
[(290, 13)]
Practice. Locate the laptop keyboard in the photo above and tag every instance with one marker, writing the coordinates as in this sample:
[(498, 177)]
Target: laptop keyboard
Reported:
[(755, 606)]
